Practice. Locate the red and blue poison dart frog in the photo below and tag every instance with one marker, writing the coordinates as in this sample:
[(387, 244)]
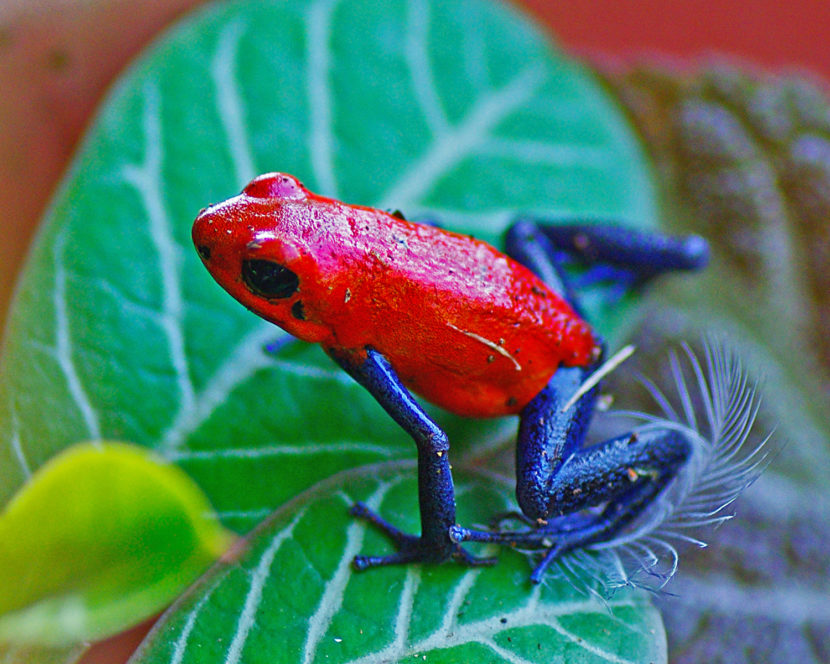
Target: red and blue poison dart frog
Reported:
[(410, 308)]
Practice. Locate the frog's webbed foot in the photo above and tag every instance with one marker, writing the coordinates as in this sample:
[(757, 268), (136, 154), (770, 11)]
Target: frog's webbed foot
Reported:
[(551, 539), (412, 548)]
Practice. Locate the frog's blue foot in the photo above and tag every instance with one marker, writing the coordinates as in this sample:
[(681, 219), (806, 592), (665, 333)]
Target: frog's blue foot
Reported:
[(275, 347), (552, 541), (411, 548)]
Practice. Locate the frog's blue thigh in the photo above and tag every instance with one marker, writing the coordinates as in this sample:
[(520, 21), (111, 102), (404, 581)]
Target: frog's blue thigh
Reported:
[(557, 476)]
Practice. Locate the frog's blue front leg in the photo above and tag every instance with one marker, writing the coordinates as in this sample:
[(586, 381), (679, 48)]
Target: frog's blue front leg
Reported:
[(436, 495)]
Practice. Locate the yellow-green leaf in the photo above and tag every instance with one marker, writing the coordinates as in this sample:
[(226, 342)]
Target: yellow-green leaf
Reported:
[(102, 533)]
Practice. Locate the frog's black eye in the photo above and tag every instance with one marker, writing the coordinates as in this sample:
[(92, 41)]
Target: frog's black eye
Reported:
[(269, 279)]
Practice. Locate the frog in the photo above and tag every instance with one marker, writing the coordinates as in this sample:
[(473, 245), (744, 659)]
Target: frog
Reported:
[(408, 309)]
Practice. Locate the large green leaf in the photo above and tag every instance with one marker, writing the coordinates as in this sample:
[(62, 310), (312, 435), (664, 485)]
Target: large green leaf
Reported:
[(290, 597), (458, 111)]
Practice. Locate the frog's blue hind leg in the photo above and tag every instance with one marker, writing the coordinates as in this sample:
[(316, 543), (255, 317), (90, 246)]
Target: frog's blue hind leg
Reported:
[(559, 483), (617, 253), (436, 496), (557, 479)]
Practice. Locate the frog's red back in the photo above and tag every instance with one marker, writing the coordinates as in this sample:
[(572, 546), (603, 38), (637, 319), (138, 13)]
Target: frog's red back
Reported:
[(462, 324)]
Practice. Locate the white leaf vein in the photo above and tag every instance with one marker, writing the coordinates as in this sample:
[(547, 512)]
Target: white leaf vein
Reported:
[(321, 138), (146, 178), (253, 514), (253, 598), (565, 155), (459, 594), (63, 344), (532, 613), (304, 449), (556, 626), (406, 606), (245, 359), (403, 619), (505, 654), (181, 643), (499, 437), (229, 101), (475, 54), (420, 68), (460, 140), (308, 371), (333, 593), (17, 447)]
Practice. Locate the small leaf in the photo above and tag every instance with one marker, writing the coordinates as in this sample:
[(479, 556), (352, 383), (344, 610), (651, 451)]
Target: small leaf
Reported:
[(292, 596), (102, 534)]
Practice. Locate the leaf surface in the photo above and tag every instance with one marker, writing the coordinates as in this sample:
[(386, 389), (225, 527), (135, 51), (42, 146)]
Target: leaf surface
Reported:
[(291, 597)]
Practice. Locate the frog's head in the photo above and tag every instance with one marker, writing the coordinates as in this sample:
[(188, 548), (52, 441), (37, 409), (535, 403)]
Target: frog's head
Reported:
[(253, 246)]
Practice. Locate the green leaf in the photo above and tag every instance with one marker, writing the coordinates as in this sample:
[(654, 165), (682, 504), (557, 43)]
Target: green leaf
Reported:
[(457, 111), (103, 534), (291, 597)]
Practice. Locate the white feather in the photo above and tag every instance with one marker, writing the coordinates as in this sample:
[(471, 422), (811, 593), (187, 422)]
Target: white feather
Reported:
[(718, 406)]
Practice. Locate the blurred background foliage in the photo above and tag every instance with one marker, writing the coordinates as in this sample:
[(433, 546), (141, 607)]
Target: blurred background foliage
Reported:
[(744, 159)]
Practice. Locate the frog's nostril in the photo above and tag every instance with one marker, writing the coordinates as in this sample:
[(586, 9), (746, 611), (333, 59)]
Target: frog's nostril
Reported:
[(204, 252), (275, 185)]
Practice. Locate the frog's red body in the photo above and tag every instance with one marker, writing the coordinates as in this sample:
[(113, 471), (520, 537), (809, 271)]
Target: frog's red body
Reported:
[(462, 324)]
